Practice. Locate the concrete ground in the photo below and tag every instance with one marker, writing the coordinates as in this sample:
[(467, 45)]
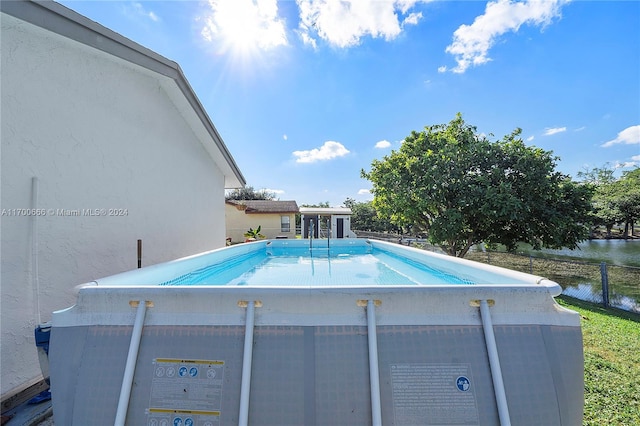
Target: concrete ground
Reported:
[(31, 415)]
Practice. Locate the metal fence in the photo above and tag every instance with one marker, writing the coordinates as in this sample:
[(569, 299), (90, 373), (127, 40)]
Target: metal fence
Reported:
[(606, 284), (602, 283)]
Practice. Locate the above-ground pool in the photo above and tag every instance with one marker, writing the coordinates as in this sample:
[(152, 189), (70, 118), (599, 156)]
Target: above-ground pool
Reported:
[(300, 332)]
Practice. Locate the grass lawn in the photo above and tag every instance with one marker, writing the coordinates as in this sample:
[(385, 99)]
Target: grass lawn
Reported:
[(611, 362)]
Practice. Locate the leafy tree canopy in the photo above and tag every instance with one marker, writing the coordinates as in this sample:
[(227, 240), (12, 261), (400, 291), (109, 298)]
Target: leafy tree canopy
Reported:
[(598, 175), (628, 202), (249, 193), (365, 218), (615, 201), (463, 189), (321, 205)]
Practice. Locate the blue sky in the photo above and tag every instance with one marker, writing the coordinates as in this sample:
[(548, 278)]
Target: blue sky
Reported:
[(307, 93)]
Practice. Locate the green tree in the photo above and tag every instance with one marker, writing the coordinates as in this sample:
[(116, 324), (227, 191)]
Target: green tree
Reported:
[(626, 201), (615, 201), (597, 175), (249, 193), (463, 189), (365, 218), (600, 180), (320, 205)]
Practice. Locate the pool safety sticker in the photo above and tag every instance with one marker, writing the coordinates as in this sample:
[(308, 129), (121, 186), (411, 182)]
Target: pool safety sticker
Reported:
[(160, 417), (433, 394), (185, 392)]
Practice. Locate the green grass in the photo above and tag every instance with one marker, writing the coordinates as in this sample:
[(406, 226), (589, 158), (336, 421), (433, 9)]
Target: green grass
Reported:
[(611, 363)]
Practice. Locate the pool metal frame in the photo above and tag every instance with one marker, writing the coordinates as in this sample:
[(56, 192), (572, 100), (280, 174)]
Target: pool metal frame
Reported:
[(121, 300)]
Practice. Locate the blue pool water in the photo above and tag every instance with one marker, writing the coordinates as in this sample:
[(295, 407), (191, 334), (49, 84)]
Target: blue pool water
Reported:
[(299, 266)]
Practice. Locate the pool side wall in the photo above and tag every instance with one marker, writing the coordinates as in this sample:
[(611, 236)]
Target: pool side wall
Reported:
[(310, 356), (310, 351)]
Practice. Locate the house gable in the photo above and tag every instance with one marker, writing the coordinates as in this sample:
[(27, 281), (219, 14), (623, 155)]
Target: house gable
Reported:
[(60, 20)]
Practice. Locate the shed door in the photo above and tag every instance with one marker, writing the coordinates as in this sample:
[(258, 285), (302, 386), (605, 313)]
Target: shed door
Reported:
[(340, 228)]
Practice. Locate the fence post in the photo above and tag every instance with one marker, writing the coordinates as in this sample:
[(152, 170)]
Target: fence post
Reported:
[(605, 284), (531, 264)]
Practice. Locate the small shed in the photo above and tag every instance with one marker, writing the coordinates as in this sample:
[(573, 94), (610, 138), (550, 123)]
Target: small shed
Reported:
[(326, 222)]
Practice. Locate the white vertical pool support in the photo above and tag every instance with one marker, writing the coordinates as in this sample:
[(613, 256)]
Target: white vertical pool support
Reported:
[(494, 363), (130, 368), (245, 386), (374, 375)]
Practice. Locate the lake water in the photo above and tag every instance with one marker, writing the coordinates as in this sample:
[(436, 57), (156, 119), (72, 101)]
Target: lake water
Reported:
[(615, 252), (623, 287)]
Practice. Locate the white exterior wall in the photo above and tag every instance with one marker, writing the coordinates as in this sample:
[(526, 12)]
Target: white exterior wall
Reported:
[(98, 133), (348, 233)]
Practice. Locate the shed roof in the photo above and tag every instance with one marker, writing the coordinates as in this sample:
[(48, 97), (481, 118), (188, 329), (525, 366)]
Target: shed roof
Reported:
[(58, 19), (326, 211), (265, 206)]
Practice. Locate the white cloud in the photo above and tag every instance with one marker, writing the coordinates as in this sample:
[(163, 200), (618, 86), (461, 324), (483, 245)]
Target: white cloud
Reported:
[(343, 23), (579, 129), (629, 136), (413, 19), (383, 144), (624, 165), (471, 43), (442, 69), (553, 130), (245, 24), (137, 9), (635, 158), (274, 191), (364, 191), (285, 137), (530, 138), (328, 151)]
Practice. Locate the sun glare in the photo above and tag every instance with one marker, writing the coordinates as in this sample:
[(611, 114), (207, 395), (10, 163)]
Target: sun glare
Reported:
[(244, 27)]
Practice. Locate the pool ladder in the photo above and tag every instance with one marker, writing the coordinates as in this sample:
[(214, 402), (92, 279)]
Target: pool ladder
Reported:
[(311, 233)]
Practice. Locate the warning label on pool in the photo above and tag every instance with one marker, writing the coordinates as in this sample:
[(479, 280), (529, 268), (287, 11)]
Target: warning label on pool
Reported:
[(160, 417), (433, 394), (186, 392)]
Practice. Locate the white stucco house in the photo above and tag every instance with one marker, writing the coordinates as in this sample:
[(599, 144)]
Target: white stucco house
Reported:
[(104, 142)]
